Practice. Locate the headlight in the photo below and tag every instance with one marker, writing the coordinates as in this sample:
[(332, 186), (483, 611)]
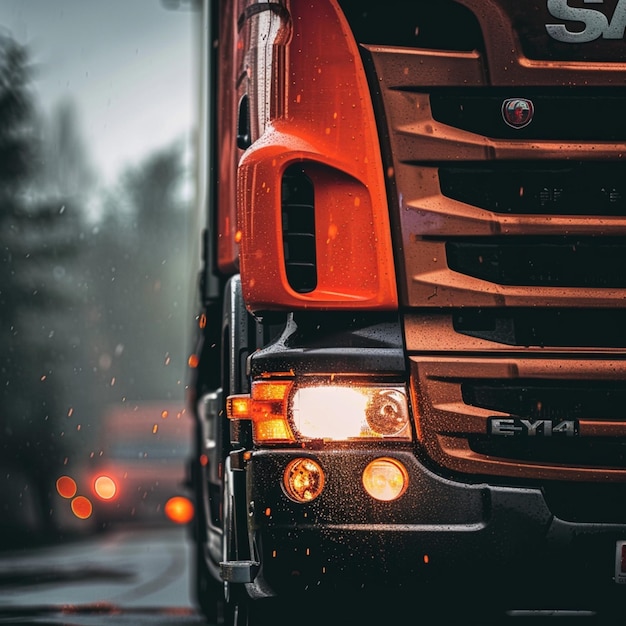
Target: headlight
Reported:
[(289, 411), (337, 412)]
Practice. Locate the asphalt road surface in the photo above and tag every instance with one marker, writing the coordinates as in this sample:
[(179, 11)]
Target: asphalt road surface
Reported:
[(127, 576), (131, 576)]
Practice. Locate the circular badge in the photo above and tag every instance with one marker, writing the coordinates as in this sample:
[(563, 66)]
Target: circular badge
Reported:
[(517, 112)]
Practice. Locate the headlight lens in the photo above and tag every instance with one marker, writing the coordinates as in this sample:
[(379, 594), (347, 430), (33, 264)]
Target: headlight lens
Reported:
[(343, 412), (386, 412), (288, 411)]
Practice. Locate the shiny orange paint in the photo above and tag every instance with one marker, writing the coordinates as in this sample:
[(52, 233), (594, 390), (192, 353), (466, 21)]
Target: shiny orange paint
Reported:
[(321, 117), (227, 95)]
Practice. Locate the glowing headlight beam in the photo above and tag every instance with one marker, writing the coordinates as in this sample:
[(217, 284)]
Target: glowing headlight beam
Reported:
[(336, 412), (289, 411)]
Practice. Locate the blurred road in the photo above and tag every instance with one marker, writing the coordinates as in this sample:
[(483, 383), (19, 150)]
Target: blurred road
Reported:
[(130, 575), (135, 576)]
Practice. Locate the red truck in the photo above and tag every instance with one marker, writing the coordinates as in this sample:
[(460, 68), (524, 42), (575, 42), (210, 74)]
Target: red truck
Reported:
[(410, 378)]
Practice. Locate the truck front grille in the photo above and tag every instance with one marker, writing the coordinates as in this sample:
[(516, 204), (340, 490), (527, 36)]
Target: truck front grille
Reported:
[(511, 241), (558, 420), (489, 213)]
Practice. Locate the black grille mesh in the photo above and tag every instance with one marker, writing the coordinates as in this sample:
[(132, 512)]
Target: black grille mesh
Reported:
[(541, 261), (573, 115), (298, 222), (555, 189)]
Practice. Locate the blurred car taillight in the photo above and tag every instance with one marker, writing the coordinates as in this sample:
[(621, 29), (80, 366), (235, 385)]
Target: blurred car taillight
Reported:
[(105, 487), (179, 510)]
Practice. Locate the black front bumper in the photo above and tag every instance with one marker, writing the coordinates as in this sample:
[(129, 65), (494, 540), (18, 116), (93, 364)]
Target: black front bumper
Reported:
[(487, 542)]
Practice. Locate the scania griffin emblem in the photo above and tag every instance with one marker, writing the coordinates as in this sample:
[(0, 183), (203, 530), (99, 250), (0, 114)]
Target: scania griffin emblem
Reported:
[(517, 112)]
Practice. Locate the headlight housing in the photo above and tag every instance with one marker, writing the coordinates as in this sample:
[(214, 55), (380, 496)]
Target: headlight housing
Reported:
[(329, 410)]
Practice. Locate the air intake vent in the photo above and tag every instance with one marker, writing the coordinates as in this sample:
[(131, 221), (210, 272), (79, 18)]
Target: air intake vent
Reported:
[(298, 221)]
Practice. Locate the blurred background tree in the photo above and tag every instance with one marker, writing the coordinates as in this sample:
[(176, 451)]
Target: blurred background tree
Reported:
[(94, 304), (38, 244), (141, 267)]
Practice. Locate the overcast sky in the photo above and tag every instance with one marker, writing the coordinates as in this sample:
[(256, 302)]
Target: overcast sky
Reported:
[(127, 63)]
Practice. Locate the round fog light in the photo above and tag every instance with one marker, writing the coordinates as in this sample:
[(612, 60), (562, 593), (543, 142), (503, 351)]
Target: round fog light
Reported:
[(303, 480), (385, 479)]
